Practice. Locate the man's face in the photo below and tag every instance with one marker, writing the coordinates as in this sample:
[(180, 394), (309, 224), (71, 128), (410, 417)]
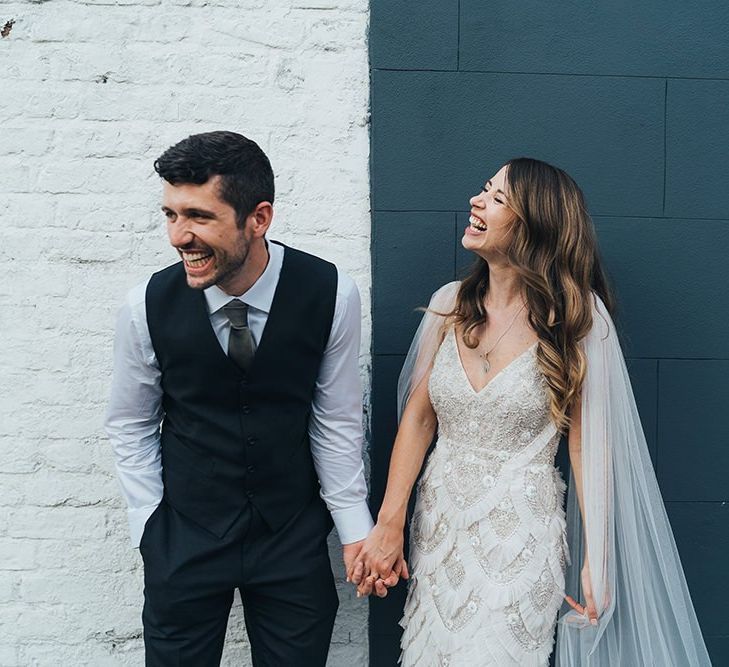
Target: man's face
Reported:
[(203, 229)]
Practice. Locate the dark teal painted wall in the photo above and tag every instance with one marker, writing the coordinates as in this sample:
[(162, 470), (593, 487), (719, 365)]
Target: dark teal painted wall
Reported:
[(632, 99)]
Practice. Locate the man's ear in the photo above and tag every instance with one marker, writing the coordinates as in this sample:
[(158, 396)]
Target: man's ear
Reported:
[(259, 219)]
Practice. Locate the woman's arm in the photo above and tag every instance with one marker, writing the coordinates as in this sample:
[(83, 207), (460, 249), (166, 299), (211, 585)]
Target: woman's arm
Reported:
[(575, 450), (382, 552)]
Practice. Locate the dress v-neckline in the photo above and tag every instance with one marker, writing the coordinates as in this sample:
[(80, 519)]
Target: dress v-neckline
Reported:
[(478, 392)]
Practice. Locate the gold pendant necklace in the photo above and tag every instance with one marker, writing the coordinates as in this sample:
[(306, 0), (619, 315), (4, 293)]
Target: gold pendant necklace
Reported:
[(484, 356)]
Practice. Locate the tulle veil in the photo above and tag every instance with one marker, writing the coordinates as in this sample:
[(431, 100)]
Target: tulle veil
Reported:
[(645, 612)]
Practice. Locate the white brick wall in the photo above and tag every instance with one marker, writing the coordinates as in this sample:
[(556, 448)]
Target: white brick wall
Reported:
[(91, 93)]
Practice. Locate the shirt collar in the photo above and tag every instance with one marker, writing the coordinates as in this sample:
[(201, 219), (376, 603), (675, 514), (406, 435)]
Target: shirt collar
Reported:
[(260, 294)]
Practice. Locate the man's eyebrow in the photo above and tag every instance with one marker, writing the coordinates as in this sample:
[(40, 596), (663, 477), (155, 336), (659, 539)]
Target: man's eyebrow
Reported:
[(201, 211), (192, 211)]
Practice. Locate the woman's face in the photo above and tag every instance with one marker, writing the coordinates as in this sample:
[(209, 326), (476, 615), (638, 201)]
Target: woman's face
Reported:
[(490, 227)]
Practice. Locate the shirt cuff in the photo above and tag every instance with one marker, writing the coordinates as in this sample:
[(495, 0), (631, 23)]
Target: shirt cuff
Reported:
[(353, 523), (137, 520)]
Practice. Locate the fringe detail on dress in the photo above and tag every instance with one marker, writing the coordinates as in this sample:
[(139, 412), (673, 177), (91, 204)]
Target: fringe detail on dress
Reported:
[(506, 615)]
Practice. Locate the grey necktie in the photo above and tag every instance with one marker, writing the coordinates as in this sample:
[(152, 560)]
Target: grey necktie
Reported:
[(241, 346)]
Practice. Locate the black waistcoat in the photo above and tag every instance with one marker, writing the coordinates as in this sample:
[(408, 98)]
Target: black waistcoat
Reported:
[(230, 438)]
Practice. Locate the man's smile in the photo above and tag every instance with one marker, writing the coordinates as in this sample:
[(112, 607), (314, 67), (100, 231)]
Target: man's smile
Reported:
[(196, 259)]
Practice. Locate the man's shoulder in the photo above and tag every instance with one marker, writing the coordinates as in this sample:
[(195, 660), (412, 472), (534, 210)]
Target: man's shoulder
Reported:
[(312, 268), (170, 273), (302, 255), (136, 295), (166, 283), (136, 299), (346, 286), (134, 306)]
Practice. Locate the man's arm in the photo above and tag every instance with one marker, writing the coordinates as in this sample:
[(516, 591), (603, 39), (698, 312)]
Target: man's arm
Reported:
[(135, 412), (335, 427)]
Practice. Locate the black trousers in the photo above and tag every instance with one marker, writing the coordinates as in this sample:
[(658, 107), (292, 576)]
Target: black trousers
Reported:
[(284, 579)]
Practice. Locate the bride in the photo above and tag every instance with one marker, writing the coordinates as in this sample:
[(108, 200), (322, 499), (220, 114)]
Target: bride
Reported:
[(521, 352)]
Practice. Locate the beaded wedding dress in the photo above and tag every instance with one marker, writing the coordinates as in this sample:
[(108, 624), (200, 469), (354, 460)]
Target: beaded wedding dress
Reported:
[(488, 546), (492, 552)]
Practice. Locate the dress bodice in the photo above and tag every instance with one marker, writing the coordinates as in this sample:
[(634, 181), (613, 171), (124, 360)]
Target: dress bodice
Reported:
[(506, 423), (503, 417)]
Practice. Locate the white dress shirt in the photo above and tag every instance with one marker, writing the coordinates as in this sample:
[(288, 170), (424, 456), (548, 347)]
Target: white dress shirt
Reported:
[(335, 426)]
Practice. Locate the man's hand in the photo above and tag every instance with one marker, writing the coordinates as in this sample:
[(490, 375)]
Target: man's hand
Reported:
[(349, 554)]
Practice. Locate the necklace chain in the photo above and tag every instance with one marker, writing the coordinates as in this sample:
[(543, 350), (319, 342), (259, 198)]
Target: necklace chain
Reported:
[(485, 355)]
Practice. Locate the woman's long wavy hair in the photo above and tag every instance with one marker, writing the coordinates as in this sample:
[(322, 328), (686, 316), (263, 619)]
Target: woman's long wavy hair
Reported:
[(554, 250)]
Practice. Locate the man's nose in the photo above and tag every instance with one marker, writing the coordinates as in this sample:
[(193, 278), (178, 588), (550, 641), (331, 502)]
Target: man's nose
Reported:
[(179, 233)]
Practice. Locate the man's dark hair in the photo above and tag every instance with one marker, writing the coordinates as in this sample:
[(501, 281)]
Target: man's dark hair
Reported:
[(246, 174)]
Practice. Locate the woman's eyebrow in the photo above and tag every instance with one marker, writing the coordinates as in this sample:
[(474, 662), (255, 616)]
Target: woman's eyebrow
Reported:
[(497, 189)]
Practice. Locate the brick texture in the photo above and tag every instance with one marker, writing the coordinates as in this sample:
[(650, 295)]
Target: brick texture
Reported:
[(92, 92)]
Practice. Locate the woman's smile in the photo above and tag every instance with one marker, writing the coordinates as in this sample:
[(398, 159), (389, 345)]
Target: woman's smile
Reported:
[(477, 224)]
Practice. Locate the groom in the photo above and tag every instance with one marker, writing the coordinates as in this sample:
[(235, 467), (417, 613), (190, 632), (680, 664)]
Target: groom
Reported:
[(235, 419)]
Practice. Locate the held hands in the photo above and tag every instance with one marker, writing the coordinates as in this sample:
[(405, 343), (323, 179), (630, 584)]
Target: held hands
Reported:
[(589, 609), (379, 564), (349, 555)]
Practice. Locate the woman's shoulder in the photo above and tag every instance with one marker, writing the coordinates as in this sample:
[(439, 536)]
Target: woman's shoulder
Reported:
[(443, 301), (447, 291)]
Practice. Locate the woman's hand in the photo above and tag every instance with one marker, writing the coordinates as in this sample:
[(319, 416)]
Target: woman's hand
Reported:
[(380, 563), (589, 609)]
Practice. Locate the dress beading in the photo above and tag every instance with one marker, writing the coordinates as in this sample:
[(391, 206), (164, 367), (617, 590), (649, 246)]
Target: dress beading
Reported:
[(488, 548)]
